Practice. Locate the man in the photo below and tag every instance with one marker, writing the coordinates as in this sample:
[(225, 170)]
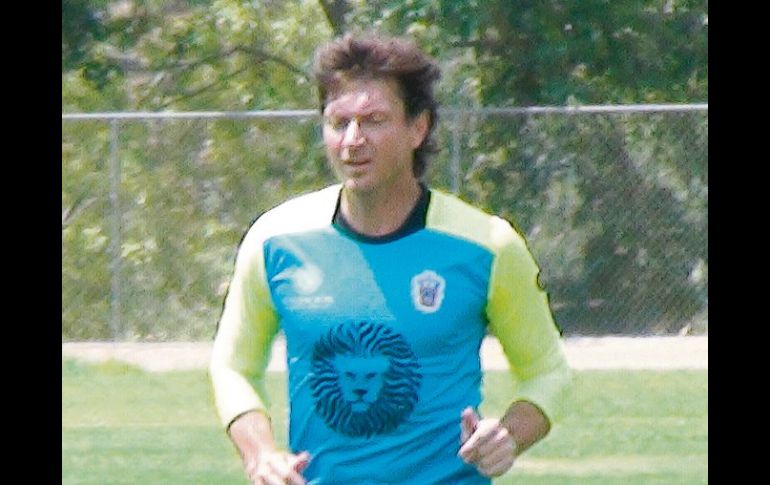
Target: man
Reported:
[(384, 290)]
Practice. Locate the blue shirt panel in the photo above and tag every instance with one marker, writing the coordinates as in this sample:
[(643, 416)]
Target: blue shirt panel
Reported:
[(382, 352)]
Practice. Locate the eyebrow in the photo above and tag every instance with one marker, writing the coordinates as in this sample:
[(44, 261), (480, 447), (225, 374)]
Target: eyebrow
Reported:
[(372, 106), (358, 114)]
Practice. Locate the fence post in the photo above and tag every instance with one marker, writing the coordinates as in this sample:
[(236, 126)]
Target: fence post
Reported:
[(454, 164), (115, 235)]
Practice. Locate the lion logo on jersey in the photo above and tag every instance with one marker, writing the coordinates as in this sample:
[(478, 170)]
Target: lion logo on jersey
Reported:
[(365, 379)]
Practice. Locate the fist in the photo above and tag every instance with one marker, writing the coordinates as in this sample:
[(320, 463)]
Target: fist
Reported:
[(278, 467), (486, 444)]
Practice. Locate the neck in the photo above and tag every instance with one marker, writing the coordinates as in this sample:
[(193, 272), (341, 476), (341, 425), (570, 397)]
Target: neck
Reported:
[(380, 213)]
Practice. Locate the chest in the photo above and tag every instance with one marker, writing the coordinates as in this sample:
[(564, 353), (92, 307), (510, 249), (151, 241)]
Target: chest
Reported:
[(427, 287)]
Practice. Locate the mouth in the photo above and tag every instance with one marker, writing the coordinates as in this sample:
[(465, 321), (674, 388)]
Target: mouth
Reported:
[(355, 162), (359, 406), (349, 156)]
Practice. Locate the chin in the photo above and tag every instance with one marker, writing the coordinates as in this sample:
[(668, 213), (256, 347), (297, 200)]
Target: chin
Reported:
[(358, 184)]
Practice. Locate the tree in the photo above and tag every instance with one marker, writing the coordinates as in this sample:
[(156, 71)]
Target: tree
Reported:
[(189, 189)]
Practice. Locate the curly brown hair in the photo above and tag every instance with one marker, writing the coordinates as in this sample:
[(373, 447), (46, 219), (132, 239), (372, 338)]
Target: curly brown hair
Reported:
[(373, 56)]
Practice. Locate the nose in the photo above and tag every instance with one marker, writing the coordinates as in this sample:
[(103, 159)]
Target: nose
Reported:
[(360, 393), (353, 136)]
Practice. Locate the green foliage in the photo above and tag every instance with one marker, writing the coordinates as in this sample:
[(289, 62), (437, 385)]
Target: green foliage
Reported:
[(554, 53), (634, 427), (189, 189), (256, 55), (189, 55), (615, 208), (649, 257)]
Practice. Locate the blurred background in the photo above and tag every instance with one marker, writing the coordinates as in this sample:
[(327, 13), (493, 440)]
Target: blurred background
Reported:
[(583, 123)]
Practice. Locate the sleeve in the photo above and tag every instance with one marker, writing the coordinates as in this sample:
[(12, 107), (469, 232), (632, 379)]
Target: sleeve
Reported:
[(520, 317), (244, 337)]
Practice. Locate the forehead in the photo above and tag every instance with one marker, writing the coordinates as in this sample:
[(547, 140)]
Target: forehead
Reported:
[(364, 96)]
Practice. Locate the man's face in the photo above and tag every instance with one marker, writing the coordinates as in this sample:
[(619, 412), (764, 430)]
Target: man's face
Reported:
[(369, 139)]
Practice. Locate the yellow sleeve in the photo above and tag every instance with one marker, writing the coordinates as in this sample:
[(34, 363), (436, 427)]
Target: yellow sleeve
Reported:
[(244, 337), (520, 317), (249, 322)]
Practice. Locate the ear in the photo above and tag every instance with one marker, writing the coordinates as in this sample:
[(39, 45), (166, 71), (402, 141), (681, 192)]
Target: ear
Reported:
[(420, 128)]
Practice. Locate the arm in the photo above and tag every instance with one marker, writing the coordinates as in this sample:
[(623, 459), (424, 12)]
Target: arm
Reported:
[(526, 424), (263, 461), (244, 337), (240, 355), (520, 317), (492, 445)]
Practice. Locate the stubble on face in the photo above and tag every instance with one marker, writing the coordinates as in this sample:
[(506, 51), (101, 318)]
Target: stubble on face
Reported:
[(365, 131)]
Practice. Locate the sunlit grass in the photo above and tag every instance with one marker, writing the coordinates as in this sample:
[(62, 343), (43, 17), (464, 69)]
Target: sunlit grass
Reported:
[(121, 425)]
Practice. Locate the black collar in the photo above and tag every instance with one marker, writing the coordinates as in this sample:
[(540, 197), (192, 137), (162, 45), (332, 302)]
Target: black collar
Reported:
[(413, 223)]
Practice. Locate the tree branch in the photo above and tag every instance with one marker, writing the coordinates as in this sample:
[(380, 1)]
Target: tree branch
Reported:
[(490, 44), (257, 53), (261, 54), (335, 11), (70, 213), (202, 89), (192, 64)]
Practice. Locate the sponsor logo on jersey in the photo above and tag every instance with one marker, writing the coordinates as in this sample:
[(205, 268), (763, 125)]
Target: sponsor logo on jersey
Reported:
[(306, 280), (428, 291)]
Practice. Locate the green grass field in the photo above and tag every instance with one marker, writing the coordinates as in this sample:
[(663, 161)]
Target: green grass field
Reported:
[(121, 425)]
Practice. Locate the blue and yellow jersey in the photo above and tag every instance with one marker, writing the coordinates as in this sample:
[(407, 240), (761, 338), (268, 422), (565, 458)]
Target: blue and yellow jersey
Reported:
[(383, 335)]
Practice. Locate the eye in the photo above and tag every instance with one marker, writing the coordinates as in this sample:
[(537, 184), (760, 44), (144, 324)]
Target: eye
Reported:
[(337, 124), (374, 120)]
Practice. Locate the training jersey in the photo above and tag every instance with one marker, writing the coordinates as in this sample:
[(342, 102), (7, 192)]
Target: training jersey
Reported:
[(383, 335)]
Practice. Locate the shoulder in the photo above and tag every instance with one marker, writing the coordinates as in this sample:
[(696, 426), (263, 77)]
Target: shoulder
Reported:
[(301, 213), (310, 209), (449, 214)]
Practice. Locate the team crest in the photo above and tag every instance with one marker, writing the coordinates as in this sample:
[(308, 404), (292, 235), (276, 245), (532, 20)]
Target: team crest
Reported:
[(428, 291)]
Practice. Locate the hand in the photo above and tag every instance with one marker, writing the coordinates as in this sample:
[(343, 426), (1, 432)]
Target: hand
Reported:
[(486, 444), (277, 468)]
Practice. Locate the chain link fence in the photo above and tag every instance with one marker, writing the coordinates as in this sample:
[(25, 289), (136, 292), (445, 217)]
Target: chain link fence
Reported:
[(613, 201)]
